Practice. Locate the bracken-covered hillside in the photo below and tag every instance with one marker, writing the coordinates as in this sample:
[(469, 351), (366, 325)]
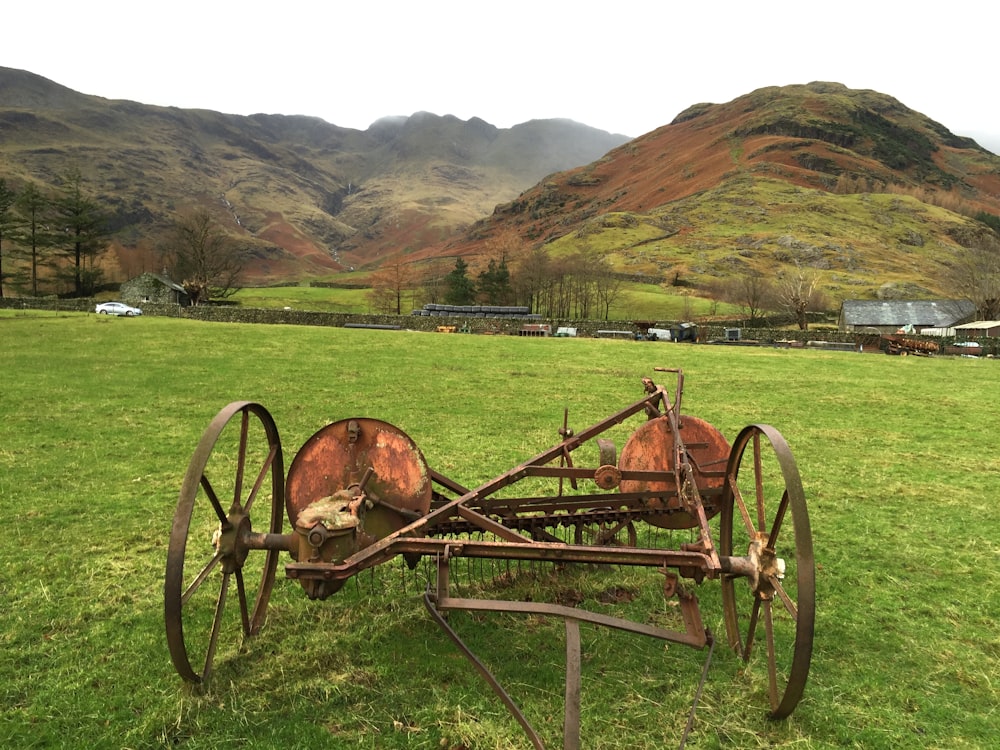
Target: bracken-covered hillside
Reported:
[(849, 183)]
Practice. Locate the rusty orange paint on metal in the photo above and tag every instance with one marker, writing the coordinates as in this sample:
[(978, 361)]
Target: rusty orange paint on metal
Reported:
[(651, 448), (337, 457)]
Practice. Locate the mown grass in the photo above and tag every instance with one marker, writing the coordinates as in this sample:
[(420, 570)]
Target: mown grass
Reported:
[(98, 419)]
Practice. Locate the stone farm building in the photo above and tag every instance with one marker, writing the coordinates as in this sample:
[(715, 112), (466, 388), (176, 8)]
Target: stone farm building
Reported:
[(890, 316), (154, 288)]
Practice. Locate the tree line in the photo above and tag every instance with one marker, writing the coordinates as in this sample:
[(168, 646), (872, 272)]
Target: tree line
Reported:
[(64, 230), (573, 287), (582, 286), (54, 239)]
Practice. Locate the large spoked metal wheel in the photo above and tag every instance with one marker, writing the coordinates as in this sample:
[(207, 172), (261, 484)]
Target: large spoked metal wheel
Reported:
[(770, 605), (213, 547)]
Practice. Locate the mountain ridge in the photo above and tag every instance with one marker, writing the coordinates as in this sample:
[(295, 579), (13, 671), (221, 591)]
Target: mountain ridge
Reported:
[(723, 188), (820, 137), (307, 196)]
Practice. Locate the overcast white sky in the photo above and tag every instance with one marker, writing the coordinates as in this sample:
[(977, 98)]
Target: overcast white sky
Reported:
[(627, 67)]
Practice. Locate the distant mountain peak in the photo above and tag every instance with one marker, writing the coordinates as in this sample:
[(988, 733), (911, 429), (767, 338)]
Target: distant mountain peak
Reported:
[(308, 197)]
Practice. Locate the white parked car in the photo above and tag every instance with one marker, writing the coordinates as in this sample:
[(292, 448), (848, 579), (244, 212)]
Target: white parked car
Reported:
[(117, 308)]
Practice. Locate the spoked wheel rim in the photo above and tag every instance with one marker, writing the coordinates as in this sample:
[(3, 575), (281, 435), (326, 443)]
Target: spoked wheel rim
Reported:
[(770, 612), (237, 461)]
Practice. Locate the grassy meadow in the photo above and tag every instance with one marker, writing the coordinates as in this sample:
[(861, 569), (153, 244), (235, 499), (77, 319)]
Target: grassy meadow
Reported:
[(636, 301), (99, 417)]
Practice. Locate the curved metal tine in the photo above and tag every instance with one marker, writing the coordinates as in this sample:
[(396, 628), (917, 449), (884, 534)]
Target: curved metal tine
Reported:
[(200, 578), (241, 591), (216, 626)]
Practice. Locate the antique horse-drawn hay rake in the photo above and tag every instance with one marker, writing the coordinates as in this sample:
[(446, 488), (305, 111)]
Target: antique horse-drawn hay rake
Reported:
[(360, 493)]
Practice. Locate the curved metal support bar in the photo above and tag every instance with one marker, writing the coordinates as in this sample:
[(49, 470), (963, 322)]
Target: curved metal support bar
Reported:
[(484, 672)]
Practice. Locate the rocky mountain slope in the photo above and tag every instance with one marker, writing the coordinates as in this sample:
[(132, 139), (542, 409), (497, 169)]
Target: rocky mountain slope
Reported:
[(849, 184), (308, 197)]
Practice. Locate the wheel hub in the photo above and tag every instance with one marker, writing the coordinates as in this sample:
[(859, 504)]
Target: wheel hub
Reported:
[(766, 566), (229, 542)]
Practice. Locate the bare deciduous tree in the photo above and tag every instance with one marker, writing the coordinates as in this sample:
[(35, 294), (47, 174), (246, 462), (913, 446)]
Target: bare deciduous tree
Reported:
[(975, 275), (389, 285), (530, 277), (205, 257), (798, 293), (608, 287), (752, 292)]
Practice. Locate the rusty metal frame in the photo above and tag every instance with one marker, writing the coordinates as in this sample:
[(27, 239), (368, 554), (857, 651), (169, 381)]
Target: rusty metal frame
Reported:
[(474, 509), (474, 506)]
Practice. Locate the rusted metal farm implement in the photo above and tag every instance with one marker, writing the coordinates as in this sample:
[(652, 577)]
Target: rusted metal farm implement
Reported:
[(898, 344), (359, 493)]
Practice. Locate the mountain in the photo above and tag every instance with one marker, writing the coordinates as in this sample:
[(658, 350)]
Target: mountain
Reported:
[(849, 184), (309, 198), (871, 197)]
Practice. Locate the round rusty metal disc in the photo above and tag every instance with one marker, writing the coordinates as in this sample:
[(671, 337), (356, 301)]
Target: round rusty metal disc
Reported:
[(651, 448), (338, 456)]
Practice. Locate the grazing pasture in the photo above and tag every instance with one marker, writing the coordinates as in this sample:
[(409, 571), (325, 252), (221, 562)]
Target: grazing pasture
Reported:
[(900, 458)]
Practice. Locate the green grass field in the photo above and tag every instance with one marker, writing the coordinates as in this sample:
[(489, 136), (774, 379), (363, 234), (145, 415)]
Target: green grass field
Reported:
[(99, 418), (636, 302)]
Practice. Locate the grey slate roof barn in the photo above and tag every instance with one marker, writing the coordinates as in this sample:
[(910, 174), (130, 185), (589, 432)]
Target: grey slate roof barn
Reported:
[(889, 316), (154, 288)]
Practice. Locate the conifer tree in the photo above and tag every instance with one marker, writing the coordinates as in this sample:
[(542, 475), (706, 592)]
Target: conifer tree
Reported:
[(7, 221), (460, 289), (494, 283), (81, 224), (31, 204)]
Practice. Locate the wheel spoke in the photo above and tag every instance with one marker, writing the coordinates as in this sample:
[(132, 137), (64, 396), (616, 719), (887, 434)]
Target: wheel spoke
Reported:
[(613, 531), (200, 578), (206, 485), (758, 474), (779, 517), (216, 627), (241, 589), (261, 476), (772, 659), (241, 461), (785, 598), (751, 629), (744, 511)]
